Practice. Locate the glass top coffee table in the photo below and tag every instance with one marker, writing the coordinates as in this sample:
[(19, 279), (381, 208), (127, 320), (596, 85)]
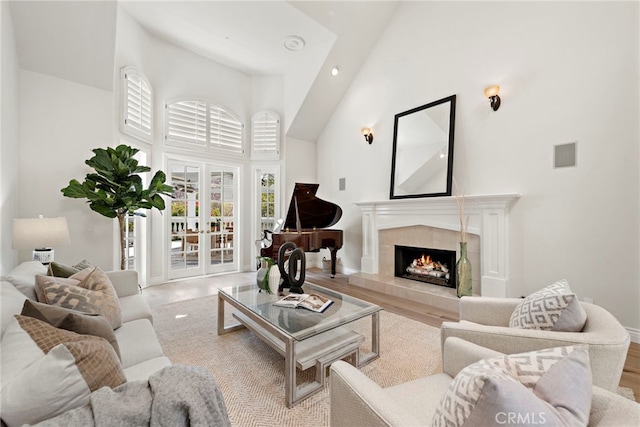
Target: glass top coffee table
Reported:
[(305, 339)]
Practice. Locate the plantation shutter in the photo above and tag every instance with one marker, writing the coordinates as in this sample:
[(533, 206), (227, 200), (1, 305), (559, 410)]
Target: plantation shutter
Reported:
[(265, 134), (195, 122), (225, 130), (186, 121), (137, 103)]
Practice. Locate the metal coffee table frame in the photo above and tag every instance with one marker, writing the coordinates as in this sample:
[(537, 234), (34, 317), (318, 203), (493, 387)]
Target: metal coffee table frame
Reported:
[(315, 339)]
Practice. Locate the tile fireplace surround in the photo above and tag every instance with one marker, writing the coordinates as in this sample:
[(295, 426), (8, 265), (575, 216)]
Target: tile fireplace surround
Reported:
[(437, 220)]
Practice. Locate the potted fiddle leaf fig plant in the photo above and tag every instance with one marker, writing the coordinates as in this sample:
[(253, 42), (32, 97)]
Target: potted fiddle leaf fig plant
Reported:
[(115, 190)]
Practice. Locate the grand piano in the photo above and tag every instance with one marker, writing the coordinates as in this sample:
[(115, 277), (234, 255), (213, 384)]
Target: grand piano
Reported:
[(307, 225)]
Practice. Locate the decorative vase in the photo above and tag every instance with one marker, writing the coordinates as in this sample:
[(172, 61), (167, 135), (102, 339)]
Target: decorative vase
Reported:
[(262, 277), (273, 279), (463, 273)]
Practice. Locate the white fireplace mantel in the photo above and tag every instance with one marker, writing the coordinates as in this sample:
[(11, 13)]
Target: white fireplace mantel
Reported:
[(488, 218)]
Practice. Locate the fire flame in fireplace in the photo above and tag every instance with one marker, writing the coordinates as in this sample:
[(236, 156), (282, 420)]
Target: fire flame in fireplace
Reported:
[(426, 266), (424, 260)]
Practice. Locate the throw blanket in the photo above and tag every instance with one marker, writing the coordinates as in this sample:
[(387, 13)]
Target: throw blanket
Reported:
[(175, 396)]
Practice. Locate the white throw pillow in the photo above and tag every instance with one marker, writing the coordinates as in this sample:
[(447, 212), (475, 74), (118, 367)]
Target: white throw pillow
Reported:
[(553, 308), (550, 387), (47, 371), (11, 302), (23, 277)]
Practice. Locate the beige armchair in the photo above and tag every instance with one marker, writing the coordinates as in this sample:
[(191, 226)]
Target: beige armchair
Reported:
[(485, 321), (357, 401)]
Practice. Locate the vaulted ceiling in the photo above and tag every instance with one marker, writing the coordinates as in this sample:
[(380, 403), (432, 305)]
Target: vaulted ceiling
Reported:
[(75, 40), (71, 40)]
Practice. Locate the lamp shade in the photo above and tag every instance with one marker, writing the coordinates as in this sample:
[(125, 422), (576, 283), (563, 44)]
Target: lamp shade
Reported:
[(492, 91), (30, 233)]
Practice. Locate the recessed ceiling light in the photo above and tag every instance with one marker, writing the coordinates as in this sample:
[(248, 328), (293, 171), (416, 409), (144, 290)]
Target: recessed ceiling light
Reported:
[(335, 71), (294, 43)]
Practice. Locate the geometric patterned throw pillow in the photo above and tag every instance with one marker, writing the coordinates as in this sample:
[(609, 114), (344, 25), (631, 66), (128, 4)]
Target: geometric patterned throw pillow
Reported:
[(89, 291), (553, 308), (47, 371), (550, 387), (43, 281)]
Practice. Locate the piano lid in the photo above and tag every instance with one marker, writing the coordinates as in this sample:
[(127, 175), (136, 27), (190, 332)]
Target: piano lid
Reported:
[(314, 212)]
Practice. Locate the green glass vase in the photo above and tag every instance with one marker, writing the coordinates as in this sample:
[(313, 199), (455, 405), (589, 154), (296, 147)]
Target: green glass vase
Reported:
[(463, 273), (262, 277)]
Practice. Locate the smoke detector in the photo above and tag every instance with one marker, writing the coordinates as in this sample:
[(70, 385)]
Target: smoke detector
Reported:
[(294, 43)]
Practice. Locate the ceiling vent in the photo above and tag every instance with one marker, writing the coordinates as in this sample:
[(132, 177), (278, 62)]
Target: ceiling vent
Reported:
[(294, 43)]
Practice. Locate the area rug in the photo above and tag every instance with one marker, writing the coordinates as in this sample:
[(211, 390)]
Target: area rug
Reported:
[(251, 374)]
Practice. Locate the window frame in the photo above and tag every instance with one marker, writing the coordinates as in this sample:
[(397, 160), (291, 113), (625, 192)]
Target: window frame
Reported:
[(256, 206)]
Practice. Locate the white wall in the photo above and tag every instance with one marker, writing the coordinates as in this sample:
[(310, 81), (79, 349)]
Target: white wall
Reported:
[(9, 135), (60, 122), (300, 161), (267, 93), (568, 72)]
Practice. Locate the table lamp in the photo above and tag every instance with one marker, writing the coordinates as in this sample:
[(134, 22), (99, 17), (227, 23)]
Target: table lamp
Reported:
[(40, 234)]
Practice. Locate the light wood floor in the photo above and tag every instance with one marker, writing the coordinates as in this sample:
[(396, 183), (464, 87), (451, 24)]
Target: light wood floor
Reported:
[(631, 373), (205, 286)]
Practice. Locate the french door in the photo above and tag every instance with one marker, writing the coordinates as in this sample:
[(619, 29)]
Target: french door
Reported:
[(203, 226)]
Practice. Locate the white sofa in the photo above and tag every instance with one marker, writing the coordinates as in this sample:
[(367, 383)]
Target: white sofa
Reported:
[(140, 350), (356, 400), (139, 346)]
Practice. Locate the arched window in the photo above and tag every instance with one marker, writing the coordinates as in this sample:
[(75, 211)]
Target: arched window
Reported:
[(137, 103), (265, 135), (193, 122)]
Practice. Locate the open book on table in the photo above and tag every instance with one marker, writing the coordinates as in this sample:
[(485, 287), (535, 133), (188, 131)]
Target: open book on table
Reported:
[(311, 302)]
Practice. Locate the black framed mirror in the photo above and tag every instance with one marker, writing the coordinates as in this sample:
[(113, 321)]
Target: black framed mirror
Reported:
[(422, 159)]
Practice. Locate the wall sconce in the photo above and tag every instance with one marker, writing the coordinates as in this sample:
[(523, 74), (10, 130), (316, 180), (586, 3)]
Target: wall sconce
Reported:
[(368, 136), (40, 233), (492, 93)]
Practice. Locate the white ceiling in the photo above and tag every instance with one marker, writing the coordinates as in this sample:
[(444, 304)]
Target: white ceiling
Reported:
[(71, 40), (75, 41), (244, 35)]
